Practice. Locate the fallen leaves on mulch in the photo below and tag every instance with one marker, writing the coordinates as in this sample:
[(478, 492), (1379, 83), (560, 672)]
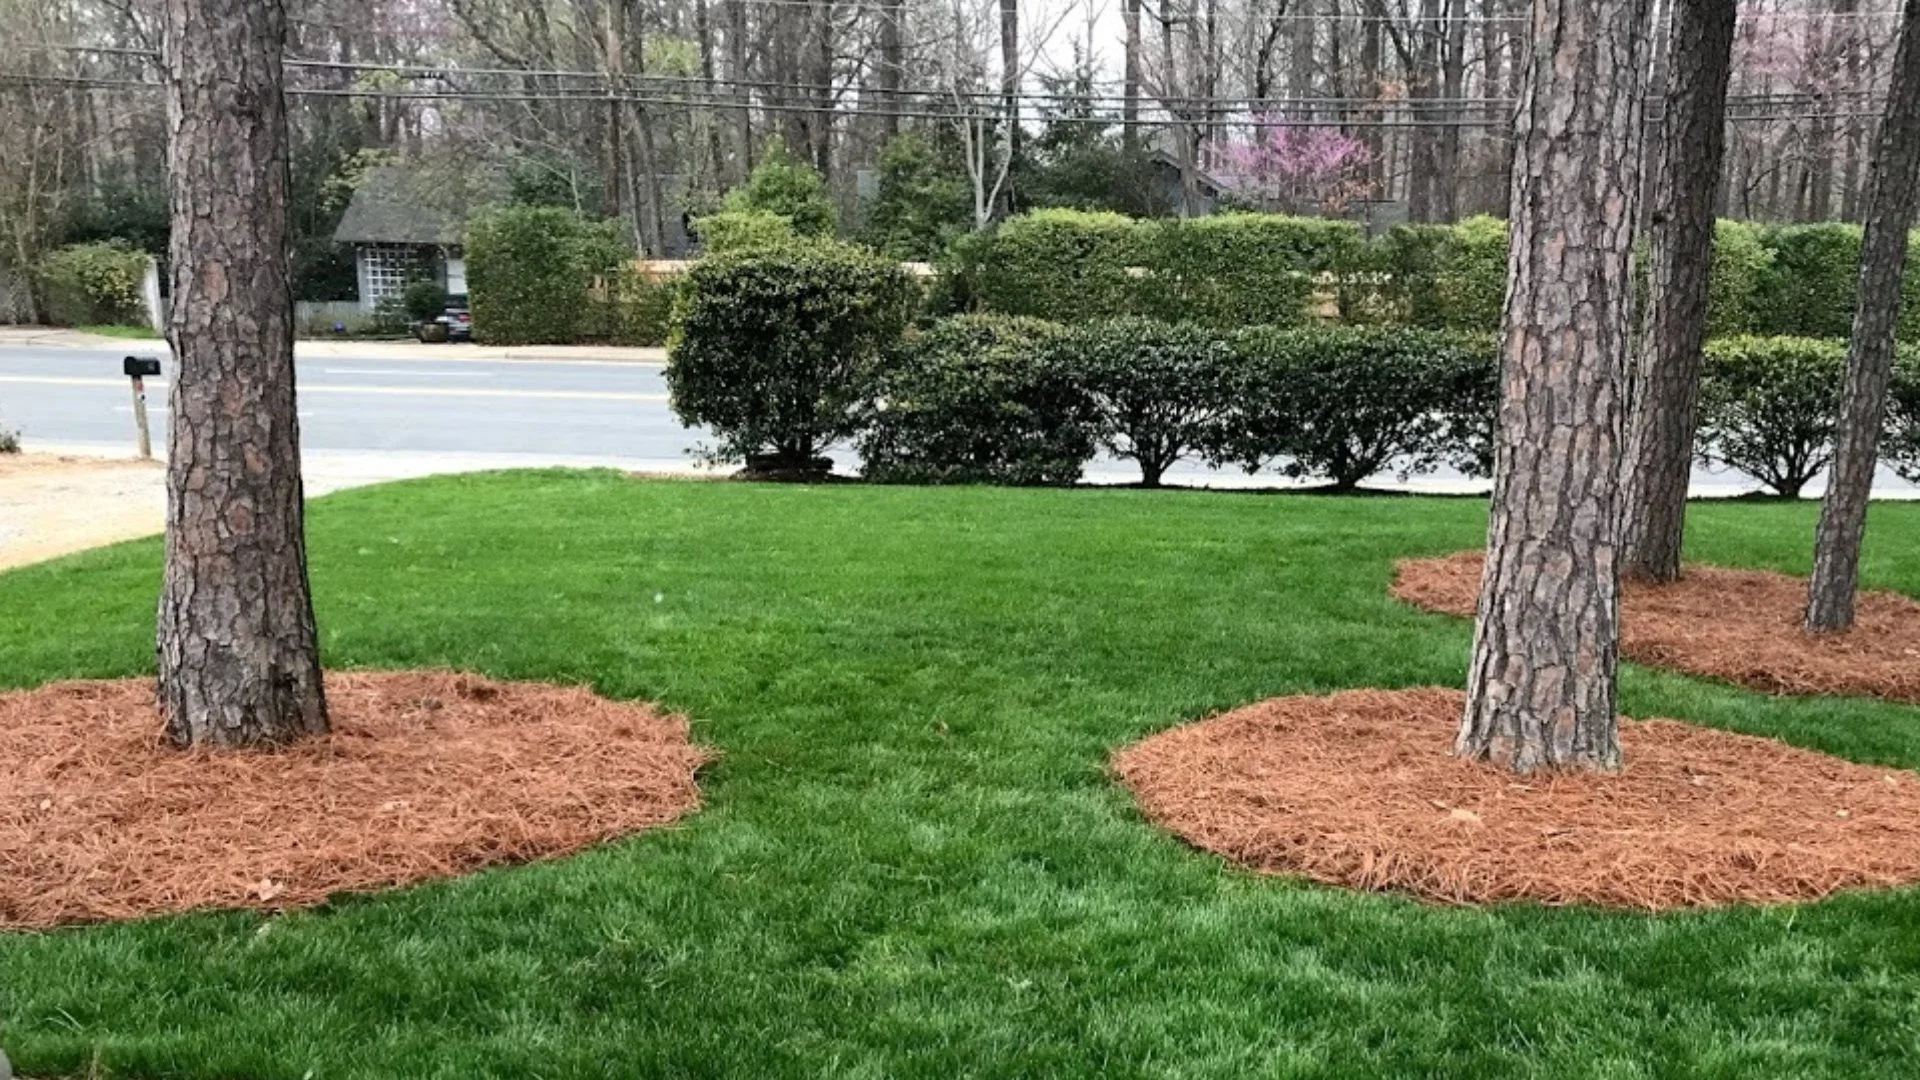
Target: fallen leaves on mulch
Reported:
[(1361, 789), (1739, 626), (426, 775)]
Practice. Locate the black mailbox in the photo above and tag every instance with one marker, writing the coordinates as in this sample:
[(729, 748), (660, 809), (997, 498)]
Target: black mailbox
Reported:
[(140, 367)]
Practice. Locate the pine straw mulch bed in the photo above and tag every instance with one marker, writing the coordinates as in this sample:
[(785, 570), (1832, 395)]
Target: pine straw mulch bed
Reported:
[(1361, 789), (426, 775), (1739, 626)]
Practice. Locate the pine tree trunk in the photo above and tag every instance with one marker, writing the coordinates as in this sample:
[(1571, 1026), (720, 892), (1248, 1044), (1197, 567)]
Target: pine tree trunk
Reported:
[(1894, 178), (1541, 691), (239, 658), (1667, 388)]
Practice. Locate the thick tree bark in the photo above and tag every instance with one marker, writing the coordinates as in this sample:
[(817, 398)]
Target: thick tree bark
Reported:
[(1667, 387), (1894, 179), (1541, 690), (239, 657)]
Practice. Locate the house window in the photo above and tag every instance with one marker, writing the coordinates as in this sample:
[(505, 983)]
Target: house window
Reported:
[(385, 270)]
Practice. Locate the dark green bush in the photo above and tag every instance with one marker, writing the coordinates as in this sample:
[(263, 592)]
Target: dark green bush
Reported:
[(1234, 270), (1902, 448), (424, 300), (1062, 265), (1808, 287), (978, 399), (1160, 390), (97, 284), (923, 203), (9, 441), (1347, 403), (1768, 407), (532, 272), (777, 350)]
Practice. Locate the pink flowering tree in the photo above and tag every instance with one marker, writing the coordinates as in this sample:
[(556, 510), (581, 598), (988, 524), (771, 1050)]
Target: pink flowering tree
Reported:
[(1295, 166)]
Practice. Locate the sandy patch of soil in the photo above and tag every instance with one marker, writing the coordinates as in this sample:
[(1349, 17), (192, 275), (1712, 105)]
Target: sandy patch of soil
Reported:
[(52, 506)]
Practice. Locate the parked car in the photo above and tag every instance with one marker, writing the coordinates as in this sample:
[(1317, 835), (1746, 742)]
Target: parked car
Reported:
[(455, 323)]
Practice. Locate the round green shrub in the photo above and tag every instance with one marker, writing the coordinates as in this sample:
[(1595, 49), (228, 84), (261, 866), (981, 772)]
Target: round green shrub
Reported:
[(978, 399), (424, 300), (1160, 391), (1348, 403), (778, 350), (1768, 407)]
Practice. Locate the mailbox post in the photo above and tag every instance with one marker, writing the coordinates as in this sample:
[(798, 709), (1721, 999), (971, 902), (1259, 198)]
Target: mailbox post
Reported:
[(138, 368)]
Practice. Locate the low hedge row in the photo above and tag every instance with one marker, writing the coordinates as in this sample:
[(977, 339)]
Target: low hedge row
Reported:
[(996, 399), (785, 352)]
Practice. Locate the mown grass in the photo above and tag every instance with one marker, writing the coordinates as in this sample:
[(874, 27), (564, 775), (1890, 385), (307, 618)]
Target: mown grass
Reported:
[(128, 333), (913, 862)]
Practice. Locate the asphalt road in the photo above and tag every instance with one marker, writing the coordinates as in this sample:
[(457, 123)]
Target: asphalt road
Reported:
[(396, 417), (611, 410)]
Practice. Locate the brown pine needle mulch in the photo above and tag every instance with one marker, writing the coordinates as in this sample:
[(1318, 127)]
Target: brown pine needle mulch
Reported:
[(1739, 626), (426, 775), (1361, 789)]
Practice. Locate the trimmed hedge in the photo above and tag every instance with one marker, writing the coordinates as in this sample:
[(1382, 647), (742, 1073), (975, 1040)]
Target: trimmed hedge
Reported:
[(778, 350), (1742, 263), (1348, 403), (1234, 270), (1809, 286), (1902, 445), (98, 284), (636, 310), (1441, 277), (978, 399), (1768, 407), (1161, 391), (1063, 265), (532, 272), (1229, 270)]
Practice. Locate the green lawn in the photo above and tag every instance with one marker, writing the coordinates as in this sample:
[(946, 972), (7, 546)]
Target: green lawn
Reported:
[(913, 862), (130, 333)]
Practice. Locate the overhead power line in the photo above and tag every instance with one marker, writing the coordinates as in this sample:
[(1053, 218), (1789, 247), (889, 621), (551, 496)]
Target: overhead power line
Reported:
[(697, 102)]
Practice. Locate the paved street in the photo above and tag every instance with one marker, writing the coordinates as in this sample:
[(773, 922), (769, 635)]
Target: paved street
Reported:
[(380, 411)]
